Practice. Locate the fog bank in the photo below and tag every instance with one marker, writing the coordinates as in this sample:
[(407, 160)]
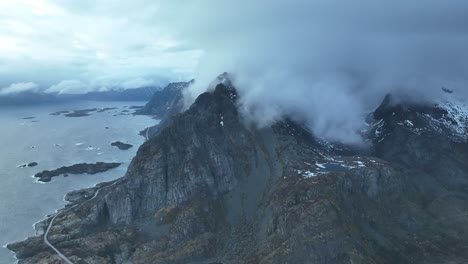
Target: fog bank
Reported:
[(325, 62)]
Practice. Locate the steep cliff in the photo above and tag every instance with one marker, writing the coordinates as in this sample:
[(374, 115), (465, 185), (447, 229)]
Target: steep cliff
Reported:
[(211, 188), (161, 101)]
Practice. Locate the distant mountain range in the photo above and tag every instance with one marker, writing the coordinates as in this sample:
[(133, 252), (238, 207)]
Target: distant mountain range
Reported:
[(136, 94)]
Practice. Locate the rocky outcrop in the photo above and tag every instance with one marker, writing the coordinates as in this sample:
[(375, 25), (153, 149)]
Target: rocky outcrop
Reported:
[(161, 100), (31, 164), (81, 113), (211, 188), (80, 168), (121, 145)]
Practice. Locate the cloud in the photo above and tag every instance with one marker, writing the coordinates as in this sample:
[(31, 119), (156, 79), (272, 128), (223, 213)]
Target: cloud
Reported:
[(326, 63), (101, 85), (69, 87), (19, 88), (49, 41), (138, 83)]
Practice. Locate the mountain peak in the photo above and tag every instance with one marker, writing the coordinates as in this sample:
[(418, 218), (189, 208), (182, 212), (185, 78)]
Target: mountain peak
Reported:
[(221, 100), (161, 101), (224, 89), (209, 189), (446, 119)]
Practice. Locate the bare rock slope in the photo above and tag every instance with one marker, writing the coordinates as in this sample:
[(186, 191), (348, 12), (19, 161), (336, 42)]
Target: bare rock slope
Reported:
[(208, 188)]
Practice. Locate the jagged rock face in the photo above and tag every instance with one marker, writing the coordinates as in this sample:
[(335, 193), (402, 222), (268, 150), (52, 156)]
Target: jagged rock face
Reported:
[(208, 188), (161, 100), (190, 159), (425, 138)]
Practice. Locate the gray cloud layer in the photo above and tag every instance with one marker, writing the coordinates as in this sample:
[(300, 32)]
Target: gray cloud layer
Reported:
[(98, 44), (328, 62)]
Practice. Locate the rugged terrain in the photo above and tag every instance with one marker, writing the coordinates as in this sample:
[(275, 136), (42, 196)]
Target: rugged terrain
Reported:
[(210, 188), (80, 168), (121, 145), (161, 101)]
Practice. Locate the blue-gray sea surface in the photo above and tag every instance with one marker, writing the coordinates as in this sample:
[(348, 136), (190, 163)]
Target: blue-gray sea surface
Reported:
[(55, 141)]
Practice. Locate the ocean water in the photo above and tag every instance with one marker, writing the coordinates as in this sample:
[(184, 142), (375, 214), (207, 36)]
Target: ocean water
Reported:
[(55, 141)]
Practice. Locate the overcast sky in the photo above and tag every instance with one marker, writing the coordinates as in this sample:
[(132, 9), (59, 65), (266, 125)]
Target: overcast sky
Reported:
[(74, 46), (326, 62)]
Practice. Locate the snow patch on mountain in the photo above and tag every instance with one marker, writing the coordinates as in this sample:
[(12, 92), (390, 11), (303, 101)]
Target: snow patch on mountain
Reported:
[(454, 121)]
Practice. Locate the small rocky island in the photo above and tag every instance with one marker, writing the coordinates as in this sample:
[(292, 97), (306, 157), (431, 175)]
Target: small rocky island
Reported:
[(60, 113), (81, 168), (121, 145), (31, 164), (83, 112)]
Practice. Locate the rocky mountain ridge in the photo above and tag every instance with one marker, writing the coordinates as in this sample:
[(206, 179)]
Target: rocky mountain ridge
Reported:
[(208, 188), (160, 102)]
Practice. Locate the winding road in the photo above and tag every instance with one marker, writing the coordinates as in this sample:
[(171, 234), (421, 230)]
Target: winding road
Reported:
[(147, 131), (46, 241), (46, 234)]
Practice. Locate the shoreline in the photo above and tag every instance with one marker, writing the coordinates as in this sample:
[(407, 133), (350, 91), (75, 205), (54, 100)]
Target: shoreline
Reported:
[(77, 169), (48, 208), (40, 227)]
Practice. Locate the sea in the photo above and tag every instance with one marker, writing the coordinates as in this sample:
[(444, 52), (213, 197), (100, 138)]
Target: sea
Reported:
[(32, 134)]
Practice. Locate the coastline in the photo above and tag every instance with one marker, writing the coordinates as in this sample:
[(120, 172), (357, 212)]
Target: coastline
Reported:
[(42, 227), (50, 198)]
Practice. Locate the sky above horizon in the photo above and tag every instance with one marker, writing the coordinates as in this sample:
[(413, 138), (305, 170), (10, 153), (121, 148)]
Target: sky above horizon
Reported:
[(324, 62), (70, 46)]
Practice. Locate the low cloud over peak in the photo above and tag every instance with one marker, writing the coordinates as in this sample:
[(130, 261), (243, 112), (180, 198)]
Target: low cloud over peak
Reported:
[(325, 62), (328, 62)]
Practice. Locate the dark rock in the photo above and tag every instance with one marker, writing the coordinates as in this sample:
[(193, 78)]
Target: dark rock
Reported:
[(161, 100), (208, 188), (135, 107), (31, 164), (79, 196), (84, 112), (60, 113), (81, 113), (81, 168), (121, 145), (101, 110), (447, 90), (28, 248)]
